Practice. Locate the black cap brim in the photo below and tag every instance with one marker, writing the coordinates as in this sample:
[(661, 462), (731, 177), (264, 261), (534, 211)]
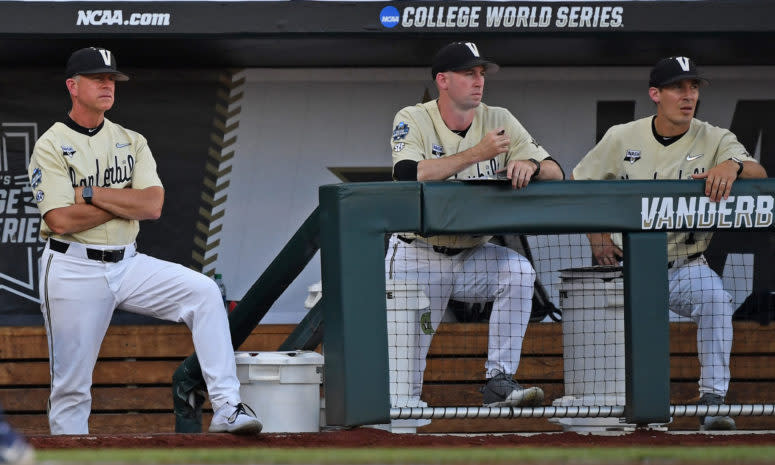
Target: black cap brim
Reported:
[(119, 75), (489, 66), (684, 77)]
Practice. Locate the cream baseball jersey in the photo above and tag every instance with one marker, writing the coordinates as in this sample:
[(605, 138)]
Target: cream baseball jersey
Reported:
[(631, 151), (419, 133), (67, 156)]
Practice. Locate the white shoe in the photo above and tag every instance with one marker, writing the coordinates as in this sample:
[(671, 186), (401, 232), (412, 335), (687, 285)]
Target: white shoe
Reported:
[(236, 420)]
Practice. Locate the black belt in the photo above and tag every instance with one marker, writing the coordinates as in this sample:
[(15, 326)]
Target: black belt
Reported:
[(691, 257), (449, 251), (111, 256)]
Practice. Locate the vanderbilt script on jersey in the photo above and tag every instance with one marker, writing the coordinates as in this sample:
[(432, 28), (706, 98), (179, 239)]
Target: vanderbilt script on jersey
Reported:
[(116, 172)]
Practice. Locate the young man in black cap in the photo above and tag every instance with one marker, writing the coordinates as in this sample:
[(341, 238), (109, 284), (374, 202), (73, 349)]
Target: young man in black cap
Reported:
[(674, 145), (459, 137), (94, 181)]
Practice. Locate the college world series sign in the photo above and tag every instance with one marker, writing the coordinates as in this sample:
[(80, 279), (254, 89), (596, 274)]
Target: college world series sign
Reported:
[(497, 16), (20, 244)]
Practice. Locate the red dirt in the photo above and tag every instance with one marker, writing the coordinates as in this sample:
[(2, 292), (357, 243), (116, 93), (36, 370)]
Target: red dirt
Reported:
[(369, 437)]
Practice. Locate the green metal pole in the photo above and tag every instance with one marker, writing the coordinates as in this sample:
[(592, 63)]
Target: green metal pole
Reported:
[(308, 334), (353, 222), (647, 330)]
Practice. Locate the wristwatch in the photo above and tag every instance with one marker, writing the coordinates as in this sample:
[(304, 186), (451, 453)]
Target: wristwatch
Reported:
[(538, 167), (740, 164), (87, 194)]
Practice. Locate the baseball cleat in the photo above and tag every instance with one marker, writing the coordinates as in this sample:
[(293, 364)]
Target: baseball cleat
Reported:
[(236, 420), (715, 423), (502, 391)]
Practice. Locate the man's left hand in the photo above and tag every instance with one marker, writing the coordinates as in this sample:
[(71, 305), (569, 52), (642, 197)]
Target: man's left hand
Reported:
[(719, 179), (520, 172)]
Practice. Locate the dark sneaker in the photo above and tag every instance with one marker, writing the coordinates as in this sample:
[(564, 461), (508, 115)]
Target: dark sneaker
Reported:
[(718, 423), (239, 419), (502, 391), (13, 449)]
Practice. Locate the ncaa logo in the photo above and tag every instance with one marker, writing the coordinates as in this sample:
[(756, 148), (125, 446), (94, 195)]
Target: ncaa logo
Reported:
[(389, 16)]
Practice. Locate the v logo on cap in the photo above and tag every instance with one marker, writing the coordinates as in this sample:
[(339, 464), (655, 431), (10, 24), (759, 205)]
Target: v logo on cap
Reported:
[(472, 46), (105, 56), (684, 62)]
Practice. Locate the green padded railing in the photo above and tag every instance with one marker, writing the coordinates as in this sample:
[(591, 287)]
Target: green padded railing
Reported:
[(354, 218), (350, 228)]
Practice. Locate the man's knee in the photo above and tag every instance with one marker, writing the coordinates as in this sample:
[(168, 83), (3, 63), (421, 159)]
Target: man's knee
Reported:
[(522, 271), (203, 290), (716, 302)]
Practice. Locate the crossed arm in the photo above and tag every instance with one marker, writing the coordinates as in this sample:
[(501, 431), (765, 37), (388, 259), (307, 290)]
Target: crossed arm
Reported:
[(107, 204)]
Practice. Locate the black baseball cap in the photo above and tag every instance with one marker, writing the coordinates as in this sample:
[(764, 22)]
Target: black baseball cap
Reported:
[(674, 69), (458, 56), (93, 60)]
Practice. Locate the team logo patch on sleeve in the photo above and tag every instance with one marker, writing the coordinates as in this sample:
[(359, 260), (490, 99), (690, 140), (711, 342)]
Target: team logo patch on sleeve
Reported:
[(398, 146), (632, 156), (68, 151), (400, 131), (37, 177), (437, 150), (39, 196)]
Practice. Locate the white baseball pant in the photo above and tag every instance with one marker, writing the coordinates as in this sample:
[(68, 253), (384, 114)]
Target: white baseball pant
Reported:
[(78, 296), (697, 292), (483, 273)]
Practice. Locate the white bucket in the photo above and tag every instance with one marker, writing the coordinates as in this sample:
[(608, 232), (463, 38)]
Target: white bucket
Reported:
[(406, 302), (592, 303), (283, 388)]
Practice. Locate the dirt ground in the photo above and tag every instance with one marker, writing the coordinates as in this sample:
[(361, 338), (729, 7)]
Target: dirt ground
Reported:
[(369, 437)]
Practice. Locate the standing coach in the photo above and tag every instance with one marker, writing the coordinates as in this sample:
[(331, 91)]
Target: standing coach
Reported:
[(94, 181)]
